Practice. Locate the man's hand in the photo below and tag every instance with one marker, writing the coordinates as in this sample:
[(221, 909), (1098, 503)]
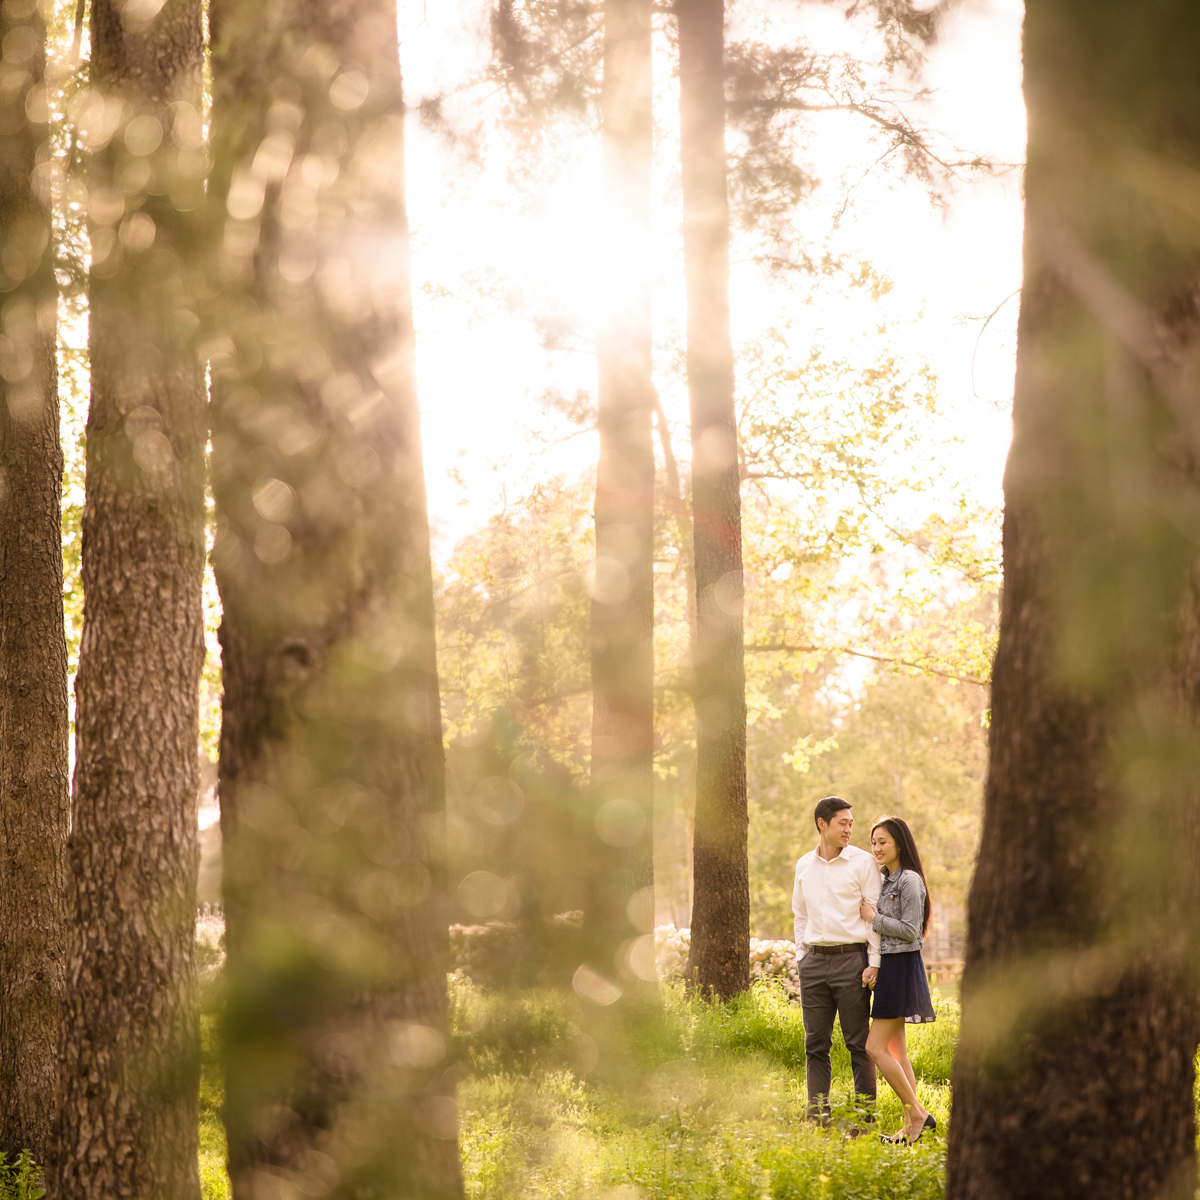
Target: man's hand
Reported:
[(866, 910), (869, 977)]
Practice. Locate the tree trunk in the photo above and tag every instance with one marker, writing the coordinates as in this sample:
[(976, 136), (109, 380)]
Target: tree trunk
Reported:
[(677, 502), (34, 806), (719, 961), (331, 772), (1074, 1075), (129, 1080), (622, 765)]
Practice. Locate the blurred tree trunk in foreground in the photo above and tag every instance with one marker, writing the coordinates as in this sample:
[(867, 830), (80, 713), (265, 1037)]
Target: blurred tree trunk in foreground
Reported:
[(331, 773), (34, 807), (130, 1062), (1074, 1073), (720, 948), (622, 764)]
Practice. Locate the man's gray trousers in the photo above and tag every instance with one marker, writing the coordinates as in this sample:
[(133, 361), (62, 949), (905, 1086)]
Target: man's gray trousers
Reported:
[(831, 984)]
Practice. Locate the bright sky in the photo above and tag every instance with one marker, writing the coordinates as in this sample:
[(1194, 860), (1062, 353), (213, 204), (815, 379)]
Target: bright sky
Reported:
[(482, 370)]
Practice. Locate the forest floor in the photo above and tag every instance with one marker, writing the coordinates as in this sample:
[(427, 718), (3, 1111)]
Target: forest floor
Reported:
[(678, 1101)]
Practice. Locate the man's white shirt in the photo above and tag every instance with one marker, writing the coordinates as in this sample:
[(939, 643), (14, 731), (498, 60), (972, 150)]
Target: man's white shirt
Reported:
[(826, 899)]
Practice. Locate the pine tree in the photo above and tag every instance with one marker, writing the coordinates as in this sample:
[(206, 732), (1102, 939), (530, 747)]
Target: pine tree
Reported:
[(336, 1037), (622, 762), (34, 806), (719, 961), (1074, 1074), (128, 1088)]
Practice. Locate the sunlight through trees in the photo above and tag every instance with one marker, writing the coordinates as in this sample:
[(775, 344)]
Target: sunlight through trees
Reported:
[(441, 757)]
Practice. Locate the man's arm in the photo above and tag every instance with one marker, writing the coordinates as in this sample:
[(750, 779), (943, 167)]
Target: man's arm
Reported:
[(800, 917), (871, 885)]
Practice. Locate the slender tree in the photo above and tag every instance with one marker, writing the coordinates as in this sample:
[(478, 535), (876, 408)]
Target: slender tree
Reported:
[(1074, 1074), (331, 770), (720, 947), (623, 600), (34, 805), (128, 1089)]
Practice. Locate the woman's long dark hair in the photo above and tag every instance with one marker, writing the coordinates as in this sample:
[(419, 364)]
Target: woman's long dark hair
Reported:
[(910, 860)]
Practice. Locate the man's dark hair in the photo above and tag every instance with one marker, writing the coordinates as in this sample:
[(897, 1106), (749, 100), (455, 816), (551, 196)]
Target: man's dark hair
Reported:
[(828, 808)]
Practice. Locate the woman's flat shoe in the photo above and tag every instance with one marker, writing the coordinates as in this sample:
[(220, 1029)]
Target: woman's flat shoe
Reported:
[(930, 1122)]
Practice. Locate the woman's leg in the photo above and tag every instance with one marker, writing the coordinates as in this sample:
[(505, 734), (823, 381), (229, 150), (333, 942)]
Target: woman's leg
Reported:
[(898, 1049), (882, 1034)]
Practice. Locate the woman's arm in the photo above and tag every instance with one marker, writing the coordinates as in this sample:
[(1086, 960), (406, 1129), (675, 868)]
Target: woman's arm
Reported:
[(907, 926)]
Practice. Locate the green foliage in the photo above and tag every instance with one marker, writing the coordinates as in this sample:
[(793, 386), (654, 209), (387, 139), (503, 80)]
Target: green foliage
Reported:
[(20, 1180), (511, 604), (502, 1031), (760, 1021), (902, 743), (856, 1170), (513, 611), (867, 612), (687, 1100), (832, 436)]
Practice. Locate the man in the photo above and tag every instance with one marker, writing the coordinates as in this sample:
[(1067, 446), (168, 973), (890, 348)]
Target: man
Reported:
[(837, 951)]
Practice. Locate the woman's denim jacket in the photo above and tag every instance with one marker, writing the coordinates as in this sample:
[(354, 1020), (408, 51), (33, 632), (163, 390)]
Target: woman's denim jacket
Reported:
[(900, 913)]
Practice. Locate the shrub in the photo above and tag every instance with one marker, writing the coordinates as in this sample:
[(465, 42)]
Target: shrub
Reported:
[(20, 1180)]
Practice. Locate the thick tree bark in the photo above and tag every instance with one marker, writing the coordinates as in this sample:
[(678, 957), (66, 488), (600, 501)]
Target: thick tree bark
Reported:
[(622, 774), (1074, 1075), (720, 947), (130, 1054), (34, 806), (331, 770)]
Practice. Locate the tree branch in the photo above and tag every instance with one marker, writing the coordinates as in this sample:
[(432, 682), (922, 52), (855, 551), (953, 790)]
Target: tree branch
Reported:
[(787, 648), (898, 127)]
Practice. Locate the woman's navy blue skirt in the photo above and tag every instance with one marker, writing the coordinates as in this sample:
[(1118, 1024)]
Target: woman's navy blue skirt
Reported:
[(902, 989)]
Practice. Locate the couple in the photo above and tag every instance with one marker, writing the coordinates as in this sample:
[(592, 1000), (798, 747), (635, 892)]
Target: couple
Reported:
[(860, 922)]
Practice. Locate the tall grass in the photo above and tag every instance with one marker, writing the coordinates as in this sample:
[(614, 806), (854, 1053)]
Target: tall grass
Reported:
[(683, 1100)]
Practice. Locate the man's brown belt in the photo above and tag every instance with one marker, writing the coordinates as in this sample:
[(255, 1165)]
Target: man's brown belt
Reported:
[(844, 948)]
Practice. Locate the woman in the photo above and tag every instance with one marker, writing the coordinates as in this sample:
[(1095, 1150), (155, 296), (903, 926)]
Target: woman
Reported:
[(901, 990)]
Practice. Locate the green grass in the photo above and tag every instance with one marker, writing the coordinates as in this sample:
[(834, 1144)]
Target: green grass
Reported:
[(214, 1183), (682, 1102), (679, 1101)]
